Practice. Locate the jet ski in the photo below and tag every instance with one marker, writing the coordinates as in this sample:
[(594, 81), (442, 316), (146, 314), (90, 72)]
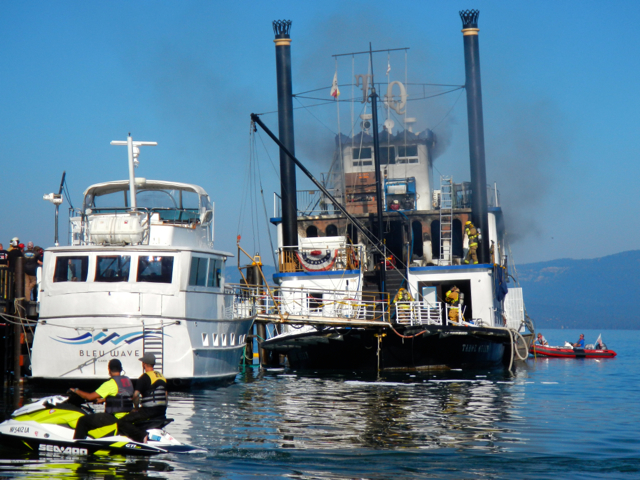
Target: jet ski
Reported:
[(47, 427)]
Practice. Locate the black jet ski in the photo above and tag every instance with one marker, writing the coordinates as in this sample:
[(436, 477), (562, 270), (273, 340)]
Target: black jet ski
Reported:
[(47, 427)]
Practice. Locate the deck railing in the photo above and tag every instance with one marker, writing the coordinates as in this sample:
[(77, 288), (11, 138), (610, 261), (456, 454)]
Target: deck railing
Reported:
[(310, 303), (347, 258), (418, 313), (426, 313)]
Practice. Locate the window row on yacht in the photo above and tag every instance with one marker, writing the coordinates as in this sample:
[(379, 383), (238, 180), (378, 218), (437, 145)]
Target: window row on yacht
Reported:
[(204, 272)]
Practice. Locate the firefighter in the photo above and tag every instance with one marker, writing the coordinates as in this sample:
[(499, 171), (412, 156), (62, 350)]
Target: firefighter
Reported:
[(453, 299), (404, 309), (472, 234)]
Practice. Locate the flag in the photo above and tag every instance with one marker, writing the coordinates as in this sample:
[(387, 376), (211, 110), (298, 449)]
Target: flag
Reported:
[(388, 67), (335, 92)]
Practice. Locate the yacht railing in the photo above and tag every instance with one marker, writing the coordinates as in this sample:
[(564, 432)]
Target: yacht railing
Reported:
[(240, 301), (346, 258), (121, 225)]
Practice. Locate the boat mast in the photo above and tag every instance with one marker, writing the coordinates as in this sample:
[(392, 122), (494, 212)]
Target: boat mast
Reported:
[(479, 212), (376, 159), (134, 150), (285, 129)]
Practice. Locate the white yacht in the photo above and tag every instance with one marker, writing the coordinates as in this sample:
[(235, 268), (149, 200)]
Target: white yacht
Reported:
[(141, 275)]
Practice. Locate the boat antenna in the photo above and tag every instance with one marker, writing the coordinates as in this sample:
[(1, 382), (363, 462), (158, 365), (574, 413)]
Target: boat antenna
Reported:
[(134, 152), (56, 199)]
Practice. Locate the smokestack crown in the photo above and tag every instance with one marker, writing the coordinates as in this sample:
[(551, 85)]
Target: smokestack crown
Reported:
[(469, 18), (281, 28)]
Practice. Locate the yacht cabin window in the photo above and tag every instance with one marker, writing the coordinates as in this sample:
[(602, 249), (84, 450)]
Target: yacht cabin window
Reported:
[(215, 273), (113, 268), (155, 269), (198, 274), (71, 269), (205, 272)]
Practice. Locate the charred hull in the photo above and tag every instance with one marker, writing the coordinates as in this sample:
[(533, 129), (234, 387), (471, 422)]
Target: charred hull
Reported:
[(428, 347)]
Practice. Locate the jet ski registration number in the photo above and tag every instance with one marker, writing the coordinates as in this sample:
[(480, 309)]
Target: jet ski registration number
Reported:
[(19, 430), (68, 450)]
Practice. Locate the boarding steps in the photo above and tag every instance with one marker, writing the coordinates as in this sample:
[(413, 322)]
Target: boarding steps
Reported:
[(153, 342), (395, 281)]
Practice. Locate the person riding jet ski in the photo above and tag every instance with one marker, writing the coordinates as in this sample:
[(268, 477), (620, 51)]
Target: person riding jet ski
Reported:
[(117, 395)]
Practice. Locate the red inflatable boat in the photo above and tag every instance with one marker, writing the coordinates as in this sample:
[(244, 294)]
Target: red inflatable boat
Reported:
[(570, 352)]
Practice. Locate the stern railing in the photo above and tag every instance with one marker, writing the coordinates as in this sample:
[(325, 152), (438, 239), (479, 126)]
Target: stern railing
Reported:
[(346, 258)]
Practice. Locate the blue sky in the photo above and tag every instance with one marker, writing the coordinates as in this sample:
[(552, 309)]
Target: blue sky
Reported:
[(560, 88)]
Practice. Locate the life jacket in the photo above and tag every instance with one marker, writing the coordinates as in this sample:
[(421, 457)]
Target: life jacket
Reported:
[(123, 401), (156, 396)]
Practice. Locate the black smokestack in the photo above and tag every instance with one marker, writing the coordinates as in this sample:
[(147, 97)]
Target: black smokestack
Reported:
[(476, 127), (285, 124)]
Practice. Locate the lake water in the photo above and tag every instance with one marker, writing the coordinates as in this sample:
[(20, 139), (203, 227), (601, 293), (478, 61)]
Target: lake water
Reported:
[(556, 418)]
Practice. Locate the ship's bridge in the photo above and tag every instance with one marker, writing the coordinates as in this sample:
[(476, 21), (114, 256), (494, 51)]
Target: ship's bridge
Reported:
[(166, 213)]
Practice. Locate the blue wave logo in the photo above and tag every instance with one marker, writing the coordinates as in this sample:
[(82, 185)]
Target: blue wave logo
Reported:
[(114, 338)]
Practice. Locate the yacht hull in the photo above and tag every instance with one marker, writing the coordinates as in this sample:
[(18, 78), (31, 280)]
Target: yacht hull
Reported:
[(192, 351)]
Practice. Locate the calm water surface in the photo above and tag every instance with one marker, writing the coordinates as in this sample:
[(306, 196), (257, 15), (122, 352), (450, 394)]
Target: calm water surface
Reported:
[(556, 418)]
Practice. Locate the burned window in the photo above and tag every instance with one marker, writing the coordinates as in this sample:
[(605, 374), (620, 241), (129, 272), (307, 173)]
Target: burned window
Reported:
[(387, 155), (408, 151), (360, 153)]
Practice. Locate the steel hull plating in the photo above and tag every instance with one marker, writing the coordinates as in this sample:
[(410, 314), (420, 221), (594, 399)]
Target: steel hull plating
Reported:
[(436, 347)]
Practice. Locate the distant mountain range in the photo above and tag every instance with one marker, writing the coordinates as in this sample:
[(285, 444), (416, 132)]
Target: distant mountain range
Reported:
[(589, 294)]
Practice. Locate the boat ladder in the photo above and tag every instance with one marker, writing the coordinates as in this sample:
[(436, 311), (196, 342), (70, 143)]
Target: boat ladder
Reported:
[(446, 218), (153, 342)]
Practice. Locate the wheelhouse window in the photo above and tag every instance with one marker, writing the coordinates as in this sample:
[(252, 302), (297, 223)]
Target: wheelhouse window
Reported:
[(387, 155), (71, 269), (361, 153), (113, 268), (155, 269), (215, 273), (408, 154), (198, 274)]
